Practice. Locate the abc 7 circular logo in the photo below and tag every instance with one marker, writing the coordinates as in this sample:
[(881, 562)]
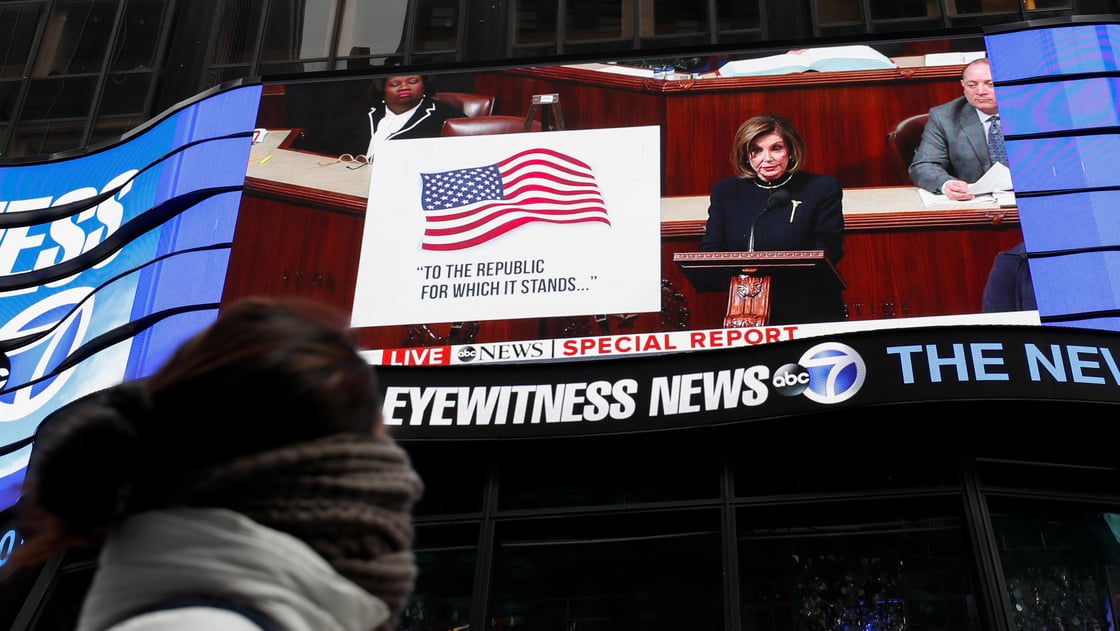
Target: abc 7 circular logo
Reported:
[(826, 373), (467, 354)]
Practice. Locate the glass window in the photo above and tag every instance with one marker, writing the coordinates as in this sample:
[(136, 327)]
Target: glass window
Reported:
[(218, 76), (437, 25), (296, 29), (857, 565), (18, 25), (125, 93), (372, 28), (35, 139), (677, 17), (446, 557), (1043, 5), (609, 471), (236, 40), (1061, 565), (1077, 459), (834, 12), (292, 67), (76, 38), (59, 97), (138, 38), (900, 9), (454, 475), (1056, 476), (963, 7), (111, 129), (832, 462), (654, 572), (734, 15), (535, 21), (598, 19), (9, 91)]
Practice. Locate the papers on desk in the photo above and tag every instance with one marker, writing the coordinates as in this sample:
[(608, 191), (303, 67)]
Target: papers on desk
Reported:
[(994, 186), (998, 178), (1003, 199)]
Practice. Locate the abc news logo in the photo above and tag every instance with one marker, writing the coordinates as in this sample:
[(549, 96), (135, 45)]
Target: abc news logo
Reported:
[(503, 352), (790, 380), (826, 373)]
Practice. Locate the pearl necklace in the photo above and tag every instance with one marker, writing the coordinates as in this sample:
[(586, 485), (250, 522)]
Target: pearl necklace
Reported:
[(759, 183)]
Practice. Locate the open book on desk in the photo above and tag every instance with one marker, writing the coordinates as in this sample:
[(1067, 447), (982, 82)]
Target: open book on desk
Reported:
[(828, 59)]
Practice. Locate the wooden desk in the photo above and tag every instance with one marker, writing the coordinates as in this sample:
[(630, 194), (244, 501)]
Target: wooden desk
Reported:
[(901, 259)]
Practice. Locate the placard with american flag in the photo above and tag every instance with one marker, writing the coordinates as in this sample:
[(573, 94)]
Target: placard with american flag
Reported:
[(466, 207), (522, 225)]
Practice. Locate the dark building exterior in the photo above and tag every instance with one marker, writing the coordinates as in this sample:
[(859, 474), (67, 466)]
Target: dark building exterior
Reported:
[(985, 514)]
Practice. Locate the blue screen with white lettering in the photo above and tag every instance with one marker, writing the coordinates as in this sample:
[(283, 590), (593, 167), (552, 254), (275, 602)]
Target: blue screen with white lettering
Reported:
[(109, 260)]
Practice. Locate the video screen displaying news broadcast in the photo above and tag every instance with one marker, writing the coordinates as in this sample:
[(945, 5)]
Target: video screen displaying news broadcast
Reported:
[(548, 225), (490, 241)]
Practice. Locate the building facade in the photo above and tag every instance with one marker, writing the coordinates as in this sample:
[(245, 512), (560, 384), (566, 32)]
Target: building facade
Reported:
[(989, 514)]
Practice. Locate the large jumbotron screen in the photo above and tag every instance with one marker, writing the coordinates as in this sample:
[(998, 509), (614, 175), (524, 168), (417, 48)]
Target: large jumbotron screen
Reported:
[(555, 319)]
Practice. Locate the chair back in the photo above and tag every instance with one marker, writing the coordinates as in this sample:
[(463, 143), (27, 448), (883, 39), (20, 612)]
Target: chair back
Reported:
[(482, 125), (903, 141), (469, 103)]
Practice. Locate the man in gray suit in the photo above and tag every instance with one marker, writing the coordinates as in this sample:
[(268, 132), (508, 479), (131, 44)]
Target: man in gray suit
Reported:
[(954, 148)]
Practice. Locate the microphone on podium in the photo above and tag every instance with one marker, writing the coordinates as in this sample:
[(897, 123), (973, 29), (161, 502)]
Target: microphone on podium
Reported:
[(777, 198)]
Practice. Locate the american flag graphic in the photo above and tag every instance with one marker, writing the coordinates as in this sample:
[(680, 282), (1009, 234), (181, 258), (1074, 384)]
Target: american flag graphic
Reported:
[(466, 207)]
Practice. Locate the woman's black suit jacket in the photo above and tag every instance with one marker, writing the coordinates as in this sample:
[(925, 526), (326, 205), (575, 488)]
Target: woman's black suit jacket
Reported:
[(807, 215)]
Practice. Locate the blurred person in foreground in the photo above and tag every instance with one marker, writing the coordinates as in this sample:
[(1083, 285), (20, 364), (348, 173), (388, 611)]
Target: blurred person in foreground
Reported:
[(772, 203), (956, 148), (249, 479)]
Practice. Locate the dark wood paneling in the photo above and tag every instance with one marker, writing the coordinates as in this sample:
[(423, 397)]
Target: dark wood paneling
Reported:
[(293, 241), (289, 248), (896, 265), (939, 271), (843, 116), (891, 273)]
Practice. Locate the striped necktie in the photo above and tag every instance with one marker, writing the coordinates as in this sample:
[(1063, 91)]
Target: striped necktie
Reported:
[(996, 149)]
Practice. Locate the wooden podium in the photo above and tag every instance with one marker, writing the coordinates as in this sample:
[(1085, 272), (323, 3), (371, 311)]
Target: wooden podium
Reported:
[(748, 276)]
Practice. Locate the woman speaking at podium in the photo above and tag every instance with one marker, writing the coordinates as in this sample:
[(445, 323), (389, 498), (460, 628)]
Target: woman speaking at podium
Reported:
[(773, 204)]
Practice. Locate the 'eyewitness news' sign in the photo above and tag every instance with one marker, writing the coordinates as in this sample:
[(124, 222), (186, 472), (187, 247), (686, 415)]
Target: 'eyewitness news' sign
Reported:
[(749, 383)]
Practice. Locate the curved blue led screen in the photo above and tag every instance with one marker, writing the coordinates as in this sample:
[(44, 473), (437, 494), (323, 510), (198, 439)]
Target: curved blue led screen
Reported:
[(1054, 52), (109, 260)]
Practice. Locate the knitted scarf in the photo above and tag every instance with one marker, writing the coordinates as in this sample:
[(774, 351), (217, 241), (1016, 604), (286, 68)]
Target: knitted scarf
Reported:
[(347, 496)]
